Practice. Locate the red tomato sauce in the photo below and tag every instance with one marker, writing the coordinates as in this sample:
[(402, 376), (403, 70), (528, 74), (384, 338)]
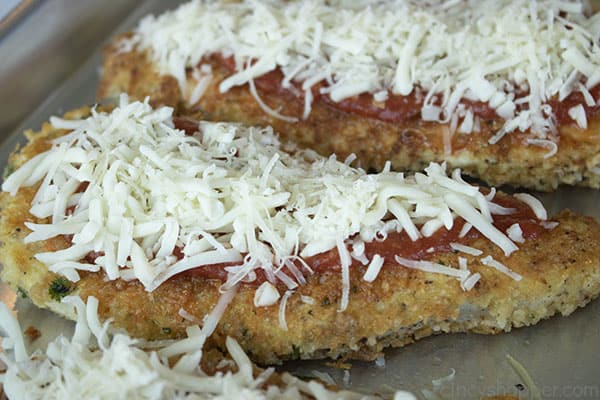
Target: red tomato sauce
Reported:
[(398, 109), (401, 245)]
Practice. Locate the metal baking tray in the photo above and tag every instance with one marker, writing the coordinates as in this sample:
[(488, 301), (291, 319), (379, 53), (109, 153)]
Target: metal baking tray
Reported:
[(561, 354), (12, 11)]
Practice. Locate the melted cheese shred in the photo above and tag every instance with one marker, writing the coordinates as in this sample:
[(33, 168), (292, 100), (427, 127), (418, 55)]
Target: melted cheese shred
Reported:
[(513, 55), (227, 194), (120, 369)]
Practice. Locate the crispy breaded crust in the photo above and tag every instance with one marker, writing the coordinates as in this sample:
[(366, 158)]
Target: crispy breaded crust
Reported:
[(560, 269), (409, 146)]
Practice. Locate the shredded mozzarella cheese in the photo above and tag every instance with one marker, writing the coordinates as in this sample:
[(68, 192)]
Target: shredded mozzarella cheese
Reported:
[(228, 194), (282, 305), (187, 316), (465, 229), (465, 249), (374, 268), (548, 144), (536, 206), (266, 295), (121, 369), (428, 266), (508, 54), (470, 282), (515, 233), (577, 113), (462, 263), (491, 262), (404, 395), (549, 224)]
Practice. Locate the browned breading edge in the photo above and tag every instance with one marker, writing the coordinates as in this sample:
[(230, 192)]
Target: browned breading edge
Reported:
[(409, 146), (400, 306)]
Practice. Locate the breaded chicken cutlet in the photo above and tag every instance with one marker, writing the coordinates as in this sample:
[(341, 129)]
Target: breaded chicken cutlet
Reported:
[(409, 82), (285, 273)]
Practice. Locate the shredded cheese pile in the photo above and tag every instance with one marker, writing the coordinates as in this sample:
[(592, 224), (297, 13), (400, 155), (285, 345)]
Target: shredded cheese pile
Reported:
[(119, 369), (135, 190), (513, 55)]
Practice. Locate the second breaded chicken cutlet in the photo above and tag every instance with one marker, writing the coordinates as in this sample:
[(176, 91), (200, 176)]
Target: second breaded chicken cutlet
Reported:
[(507, 93), (294, 255)]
